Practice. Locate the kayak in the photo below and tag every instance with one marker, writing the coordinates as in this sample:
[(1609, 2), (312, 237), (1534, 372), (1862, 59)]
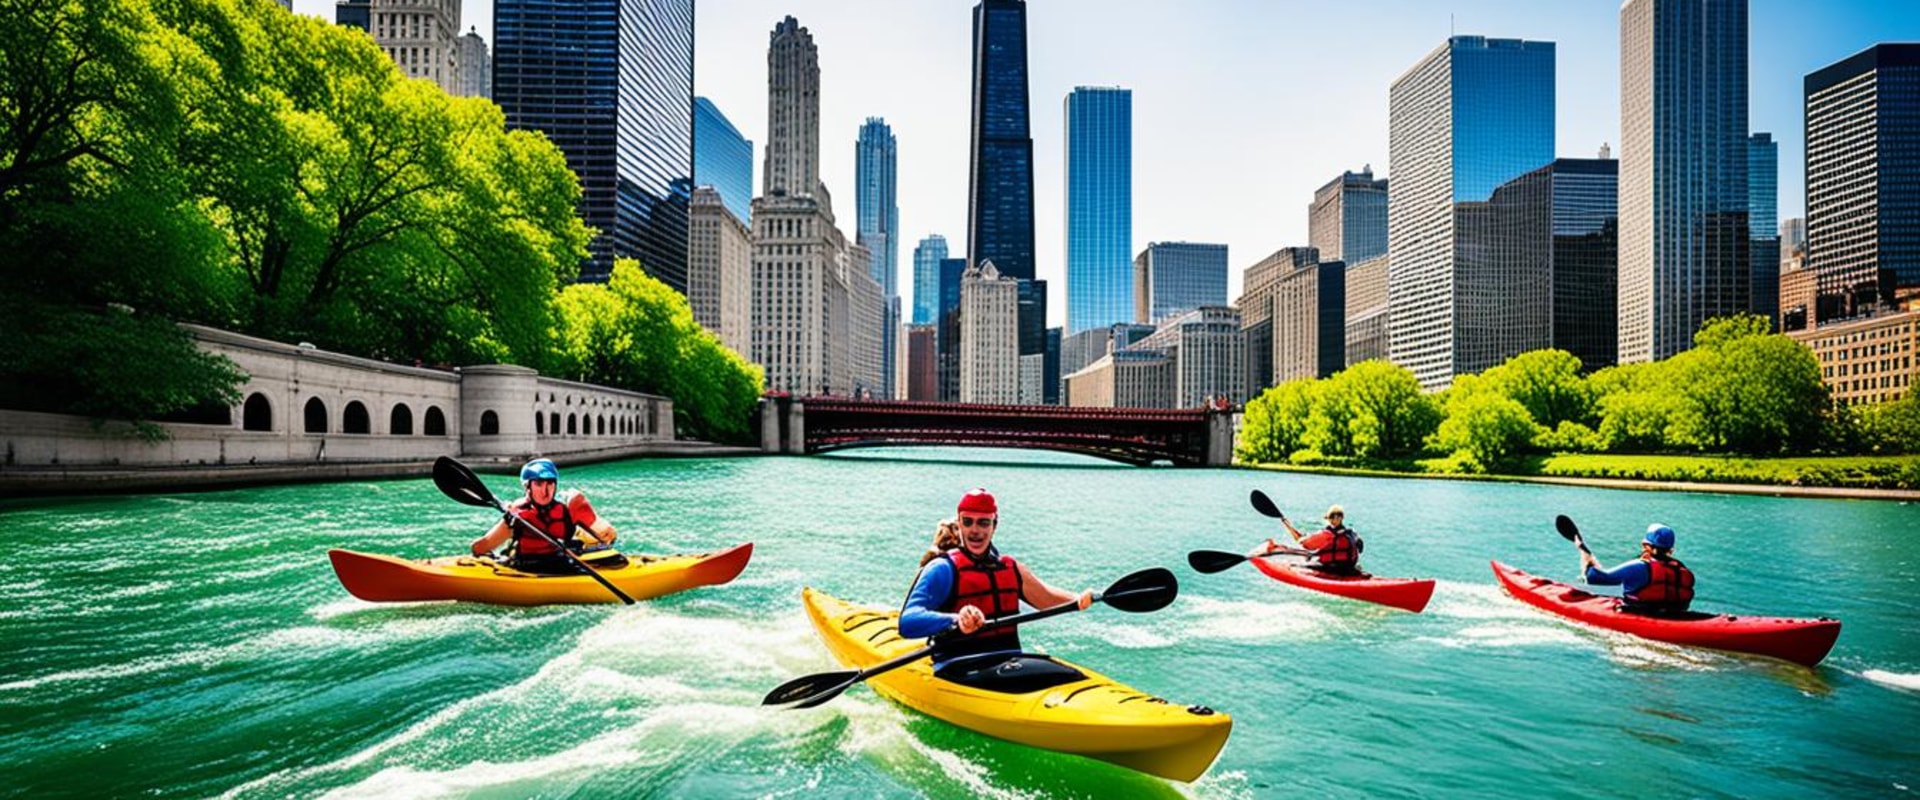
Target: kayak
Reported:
[(1410, 594), (482, 580), (1802, 641), (1091, 715)]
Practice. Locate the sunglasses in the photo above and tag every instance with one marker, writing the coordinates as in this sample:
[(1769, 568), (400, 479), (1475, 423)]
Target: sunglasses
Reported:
[(984, 522)]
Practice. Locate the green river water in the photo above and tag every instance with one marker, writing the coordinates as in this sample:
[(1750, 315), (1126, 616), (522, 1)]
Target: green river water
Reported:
[(198, 645)]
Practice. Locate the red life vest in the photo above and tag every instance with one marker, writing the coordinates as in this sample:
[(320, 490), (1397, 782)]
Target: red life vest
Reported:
[(1669, 586), (556, 519), (991, 584), (1343, 551)]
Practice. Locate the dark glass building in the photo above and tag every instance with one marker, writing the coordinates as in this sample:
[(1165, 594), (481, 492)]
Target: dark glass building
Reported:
[(1763, 222), (723, 159), (1000, 183), (1863, 179), (947, 338), (610, 82)]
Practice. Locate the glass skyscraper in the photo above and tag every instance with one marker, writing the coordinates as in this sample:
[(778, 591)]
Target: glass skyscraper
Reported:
[(1099, 207), (1470, 116), (1000, 189), (1763, 222), (1863, 179), (610, 82), (877, 204), (926, 278), (1684, 242), (722, 159), (1171, 277)]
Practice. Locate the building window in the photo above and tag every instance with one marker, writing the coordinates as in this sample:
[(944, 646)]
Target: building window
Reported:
[(553, 423), (400, 422), (539, 424), (316, 416), (436, 422), (489, 423), (354, 419), (257, 414), (572, 424)]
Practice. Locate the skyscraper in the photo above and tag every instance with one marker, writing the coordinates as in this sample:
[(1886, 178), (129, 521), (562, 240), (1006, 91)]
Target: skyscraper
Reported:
[(989, 351), (926, 278), (1763, 222), (610, 82), (876, 201), (947, 333), (819, 319), (877, 208), (1171, 277), (1683, 171), (1559, 225), (1470, 116), (1099, 207), (720, 270), (475, 66), (1863, 179), (722, 158), (1000, 182), (422, 36), (1348, 219)]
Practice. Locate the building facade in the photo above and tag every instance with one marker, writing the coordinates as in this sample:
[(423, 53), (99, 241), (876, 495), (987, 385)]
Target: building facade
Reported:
[(609, 82), (1863, 179), (473, 65), (1684, 238), (1131, 378), (1348, 218), (1868, 359), (877, 208), (1470, 116), (923, 366), (1367, 310), (722, 158), (1171, 277), (948, 341), (1259, 286), (989, 340), (926, 278), (1208, 357), (1309, 311), (1763, 221), (720, 270), (1099, 207), (422, 36)]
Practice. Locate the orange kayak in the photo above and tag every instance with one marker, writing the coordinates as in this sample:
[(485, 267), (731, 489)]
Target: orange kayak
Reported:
[(380, 578)]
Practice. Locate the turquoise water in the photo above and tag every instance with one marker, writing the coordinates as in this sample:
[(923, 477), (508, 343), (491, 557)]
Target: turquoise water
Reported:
[(199, 645)]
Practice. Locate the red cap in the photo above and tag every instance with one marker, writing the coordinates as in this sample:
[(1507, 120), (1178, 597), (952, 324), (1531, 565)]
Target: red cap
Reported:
[(978, 501)]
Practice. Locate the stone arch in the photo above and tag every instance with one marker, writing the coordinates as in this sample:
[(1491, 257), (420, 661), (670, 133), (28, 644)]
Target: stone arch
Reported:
[(316, 414), (436, 422), (354, 418), (257, 413), (489, 423), (400, 421)]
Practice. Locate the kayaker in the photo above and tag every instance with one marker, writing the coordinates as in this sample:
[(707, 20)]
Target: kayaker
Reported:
[(1654, 583), (565, 516), (1336, 548), (968, 585)]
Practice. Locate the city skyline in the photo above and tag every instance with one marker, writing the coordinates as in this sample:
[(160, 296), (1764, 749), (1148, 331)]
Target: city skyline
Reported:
[(1219, 123)]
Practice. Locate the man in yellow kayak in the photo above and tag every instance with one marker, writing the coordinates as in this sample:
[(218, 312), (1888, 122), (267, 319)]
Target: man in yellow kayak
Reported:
[(967, 587), (559, 514)]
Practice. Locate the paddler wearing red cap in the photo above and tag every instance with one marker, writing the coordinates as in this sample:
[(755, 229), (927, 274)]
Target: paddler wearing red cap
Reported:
[(971, 584)]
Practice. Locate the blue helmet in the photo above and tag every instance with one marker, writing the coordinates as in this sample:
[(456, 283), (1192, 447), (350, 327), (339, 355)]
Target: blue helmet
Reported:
[(1660, 536), (541, 469)]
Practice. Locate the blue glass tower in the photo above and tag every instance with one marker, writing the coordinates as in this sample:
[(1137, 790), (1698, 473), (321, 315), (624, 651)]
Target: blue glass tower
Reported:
[(1763, 222), (1472, 115), (610, 82), (1171, 277), (1000, 192), (722, 159), (1099, 207), (875, 201), (926, 278)]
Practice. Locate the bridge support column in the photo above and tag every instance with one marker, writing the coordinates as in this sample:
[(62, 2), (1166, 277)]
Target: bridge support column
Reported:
[(795, 429), (770, 418), (1220, 438)]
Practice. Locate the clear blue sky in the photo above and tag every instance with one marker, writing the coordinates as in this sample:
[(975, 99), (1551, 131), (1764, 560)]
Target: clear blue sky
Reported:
[(1241, 109)]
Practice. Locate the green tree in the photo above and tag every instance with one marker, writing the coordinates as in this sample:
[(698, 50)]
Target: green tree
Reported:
[(1548, 384), (1749, 391), (1487, 427), (1275, 423), (1636, 404), (1386, 413)]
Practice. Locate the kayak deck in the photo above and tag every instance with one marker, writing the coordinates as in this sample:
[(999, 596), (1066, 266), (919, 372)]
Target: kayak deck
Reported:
[(1801, 641), (1407, 594), (1095, 716), (386, 579)]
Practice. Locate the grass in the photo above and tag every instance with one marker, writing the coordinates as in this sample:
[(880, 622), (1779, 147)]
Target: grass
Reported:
[(1853, 472)]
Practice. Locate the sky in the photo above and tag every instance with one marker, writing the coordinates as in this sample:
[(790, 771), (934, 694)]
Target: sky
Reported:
[(1241, 109)]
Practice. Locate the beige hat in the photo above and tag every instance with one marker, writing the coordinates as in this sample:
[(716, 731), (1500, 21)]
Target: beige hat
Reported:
[(1336, 510)]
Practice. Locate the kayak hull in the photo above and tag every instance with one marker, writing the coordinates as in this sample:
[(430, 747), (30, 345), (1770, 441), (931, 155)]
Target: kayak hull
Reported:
[(1095, 717), (1801, 641), (1406, 594), (386, 579)]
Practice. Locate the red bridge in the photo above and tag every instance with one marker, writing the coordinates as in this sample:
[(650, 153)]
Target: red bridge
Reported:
[(1138, 436)]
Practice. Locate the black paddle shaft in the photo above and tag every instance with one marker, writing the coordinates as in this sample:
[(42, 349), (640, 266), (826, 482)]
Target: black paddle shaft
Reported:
[(455, 480), (1564, 524)]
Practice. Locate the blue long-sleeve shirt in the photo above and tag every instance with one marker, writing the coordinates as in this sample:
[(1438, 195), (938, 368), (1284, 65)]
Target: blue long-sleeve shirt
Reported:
[(918, 618), (1630, 577)]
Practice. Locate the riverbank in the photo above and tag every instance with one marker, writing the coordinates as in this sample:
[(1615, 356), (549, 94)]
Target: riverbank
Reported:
[(1632, 483), (40, 481)]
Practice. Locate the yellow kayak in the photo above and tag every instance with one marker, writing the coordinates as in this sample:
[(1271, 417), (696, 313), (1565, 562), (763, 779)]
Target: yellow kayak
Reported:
[(1093, 716), (381, 578)]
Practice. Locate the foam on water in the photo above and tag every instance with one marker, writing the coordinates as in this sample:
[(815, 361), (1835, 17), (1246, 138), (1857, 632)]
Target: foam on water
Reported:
[(1505, 635), (1475, 601), (1907, 681), (1210, 619)]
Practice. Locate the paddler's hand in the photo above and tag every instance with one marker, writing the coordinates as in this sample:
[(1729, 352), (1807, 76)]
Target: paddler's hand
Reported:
[(1587, 561), (1086, 599), (971, 619)]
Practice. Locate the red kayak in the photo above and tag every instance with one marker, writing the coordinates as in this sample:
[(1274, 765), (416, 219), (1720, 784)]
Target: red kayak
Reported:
[(1802, 641), (1410, 594)]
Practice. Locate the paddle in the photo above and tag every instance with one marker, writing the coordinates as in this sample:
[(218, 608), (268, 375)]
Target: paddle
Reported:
[(459, 483), (1147, 590), (1564, 524), (1207, 562), (1264, 504)]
